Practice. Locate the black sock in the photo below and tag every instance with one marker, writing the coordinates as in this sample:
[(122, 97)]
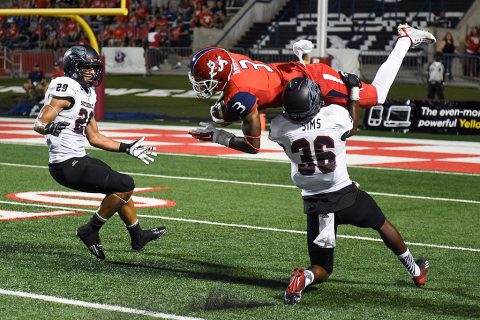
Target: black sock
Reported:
[(96, 222), (135, 231)]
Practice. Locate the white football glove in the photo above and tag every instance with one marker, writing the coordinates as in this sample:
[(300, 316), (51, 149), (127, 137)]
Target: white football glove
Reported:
[(211, 134), (138, 150), (302, 46)]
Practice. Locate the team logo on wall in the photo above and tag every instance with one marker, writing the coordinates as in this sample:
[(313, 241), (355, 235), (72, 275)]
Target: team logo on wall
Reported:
[(73, 198), (120, 56)]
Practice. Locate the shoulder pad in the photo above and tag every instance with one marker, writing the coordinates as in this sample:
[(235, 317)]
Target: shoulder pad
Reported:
[(64, 87)]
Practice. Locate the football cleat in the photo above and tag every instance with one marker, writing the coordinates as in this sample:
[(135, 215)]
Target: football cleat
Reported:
[(417, 36), (423, 264), (293, 293), (147, 236), (91, 239)]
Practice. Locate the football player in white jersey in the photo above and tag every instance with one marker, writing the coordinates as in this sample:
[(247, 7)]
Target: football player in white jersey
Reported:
[(314, 138), (67, 117)]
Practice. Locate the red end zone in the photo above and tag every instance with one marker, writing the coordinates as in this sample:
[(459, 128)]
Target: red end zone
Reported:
[(431, 155)]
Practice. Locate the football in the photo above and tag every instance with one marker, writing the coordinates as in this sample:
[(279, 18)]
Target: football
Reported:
[(219, 111)]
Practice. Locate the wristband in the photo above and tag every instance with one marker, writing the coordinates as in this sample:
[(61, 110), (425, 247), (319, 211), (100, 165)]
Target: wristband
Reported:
[(355, 93), (123, 147)]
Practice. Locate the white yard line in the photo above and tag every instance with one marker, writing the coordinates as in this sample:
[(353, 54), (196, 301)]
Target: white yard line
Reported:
[(256, 184), (243, 226), (246, 157), (93, 305)]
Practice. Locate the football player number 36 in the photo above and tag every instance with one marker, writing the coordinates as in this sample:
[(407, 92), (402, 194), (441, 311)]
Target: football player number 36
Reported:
[(324, 160)]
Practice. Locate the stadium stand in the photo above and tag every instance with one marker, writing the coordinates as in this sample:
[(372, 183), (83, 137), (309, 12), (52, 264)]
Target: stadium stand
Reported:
[(364, 25)]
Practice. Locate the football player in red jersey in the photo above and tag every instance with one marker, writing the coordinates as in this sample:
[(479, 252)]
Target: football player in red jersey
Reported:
[(249, 86)]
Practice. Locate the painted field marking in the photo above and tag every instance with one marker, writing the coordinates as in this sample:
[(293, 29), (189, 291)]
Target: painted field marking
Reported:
[(93, 305), (256, 184), (25, 141), (245, 226)]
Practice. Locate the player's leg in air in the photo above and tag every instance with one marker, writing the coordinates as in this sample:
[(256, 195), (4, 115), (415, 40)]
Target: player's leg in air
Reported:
[(408, 37), (92, 175), (364, 213)]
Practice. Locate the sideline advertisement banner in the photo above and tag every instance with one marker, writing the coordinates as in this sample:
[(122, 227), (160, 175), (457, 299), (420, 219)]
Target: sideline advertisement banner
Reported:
[(124, 60), (452, 117)]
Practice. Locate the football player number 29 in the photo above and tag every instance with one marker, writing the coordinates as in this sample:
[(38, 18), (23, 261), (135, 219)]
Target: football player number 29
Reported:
[(83, 119), (324, 160), (62, 87)]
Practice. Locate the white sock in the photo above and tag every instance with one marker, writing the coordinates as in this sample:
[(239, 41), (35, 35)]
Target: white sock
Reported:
[(309, 277), (408, 262), (133, 224), (388, 70)]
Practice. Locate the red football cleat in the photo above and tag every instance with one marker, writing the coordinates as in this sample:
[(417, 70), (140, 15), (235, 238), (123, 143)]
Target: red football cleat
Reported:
[(293, 293), (422, 278)]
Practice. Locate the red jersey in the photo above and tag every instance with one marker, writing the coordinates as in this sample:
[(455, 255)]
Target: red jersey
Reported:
[(257, 84)]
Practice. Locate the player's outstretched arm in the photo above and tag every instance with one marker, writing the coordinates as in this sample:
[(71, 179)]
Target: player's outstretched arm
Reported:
[(353, 84), (45, 124), (135, 149), (248, 144)]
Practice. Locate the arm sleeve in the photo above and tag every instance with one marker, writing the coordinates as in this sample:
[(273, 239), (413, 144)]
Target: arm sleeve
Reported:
[(241, 104), (274, 133)]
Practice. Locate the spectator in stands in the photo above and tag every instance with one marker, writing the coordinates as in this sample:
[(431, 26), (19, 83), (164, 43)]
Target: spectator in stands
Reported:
[(195, 22), (156, 39), (447, 48), (436, 72), (119, 35), (52, 41), (219, 15), (36, 83), (185, 8), (180, 33), (57, 71), (206, 18), (472, 44), (12, 37), (131, 35)]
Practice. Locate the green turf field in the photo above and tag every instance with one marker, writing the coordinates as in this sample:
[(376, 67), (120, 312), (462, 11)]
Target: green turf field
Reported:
[(219, 260)]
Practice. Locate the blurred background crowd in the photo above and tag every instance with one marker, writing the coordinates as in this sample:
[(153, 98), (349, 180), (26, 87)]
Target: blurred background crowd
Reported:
[(150, 23)]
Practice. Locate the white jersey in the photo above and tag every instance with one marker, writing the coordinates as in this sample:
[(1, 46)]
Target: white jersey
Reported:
[(71, 141), (316, 149)]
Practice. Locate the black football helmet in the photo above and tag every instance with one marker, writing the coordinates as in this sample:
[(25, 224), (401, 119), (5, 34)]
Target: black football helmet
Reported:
[(77, 60), (302, 99)]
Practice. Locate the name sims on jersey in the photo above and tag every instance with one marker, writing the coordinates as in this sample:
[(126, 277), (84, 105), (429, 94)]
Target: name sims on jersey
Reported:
[(312, 124)]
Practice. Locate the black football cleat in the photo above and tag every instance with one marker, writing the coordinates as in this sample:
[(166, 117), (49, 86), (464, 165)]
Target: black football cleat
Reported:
[(91, 239), (147, 236), (293, 293), (423, 264)]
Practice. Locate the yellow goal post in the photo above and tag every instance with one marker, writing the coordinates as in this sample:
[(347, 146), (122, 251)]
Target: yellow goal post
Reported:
[(75, 14)]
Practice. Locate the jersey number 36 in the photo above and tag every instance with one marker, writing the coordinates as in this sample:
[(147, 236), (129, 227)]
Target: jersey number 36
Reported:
[(324, 160)]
